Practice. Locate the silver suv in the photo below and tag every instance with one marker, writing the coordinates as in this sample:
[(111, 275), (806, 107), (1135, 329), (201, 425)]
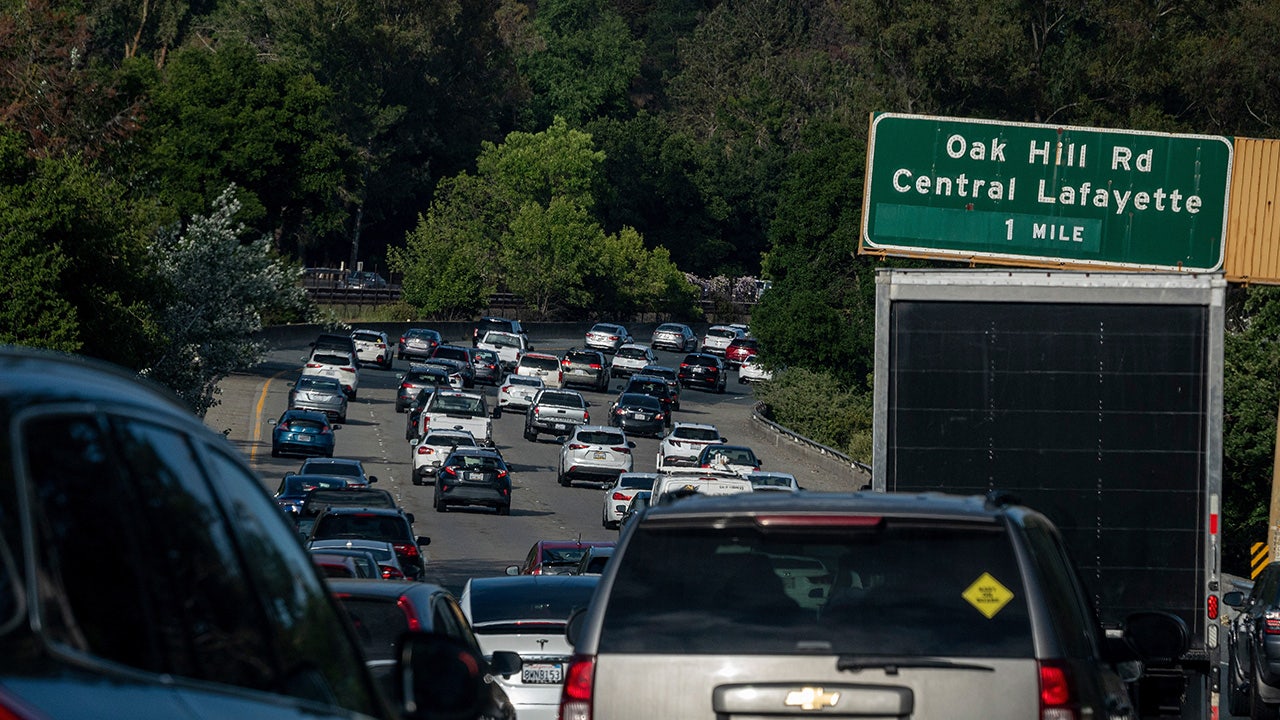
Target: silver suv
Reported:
[(595, 453), (851, 605)]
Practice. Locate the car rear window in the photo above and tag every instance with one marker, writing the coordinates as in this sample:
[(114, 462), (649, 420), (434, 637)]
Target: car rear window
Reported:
[(547, 602), (600, 437), (331, 359), (669, 329), (449, 439), (648, 402), (560, 399), (524, 380), (721, 333), (695, 433), (582, 357), (629, 353), (540, 362), (361, 525), (379, 623), (636, 481), (887, 587), (366, 337)]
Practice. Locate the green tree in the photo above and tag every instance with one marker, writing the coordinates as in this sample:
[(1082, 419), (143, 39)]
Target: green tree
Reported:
[(584, 64), (548, 251), (220, 116), (89, 287)]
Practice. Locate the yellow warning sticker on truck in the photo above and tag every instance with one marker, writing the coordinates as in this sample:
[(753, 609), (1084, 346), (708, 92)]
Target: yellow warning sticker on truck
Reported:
[(987, 595)]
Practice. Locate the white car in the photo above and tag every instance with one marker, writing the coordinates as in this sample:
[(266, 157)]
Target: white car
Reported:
[(429, 452), (772, 480), (594, 453), (718, 338), (542, 365), (527, 614), (372, 348), (618, 497), (509, 347), (607, 337), (752, 371), (336, 364), (682, 445), (517, 391), (631, 359)]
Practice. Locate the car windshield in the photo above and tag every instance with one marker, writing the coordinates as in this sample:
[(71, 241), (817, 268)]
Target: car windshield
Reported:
[(696, 433), (600, 437), (648, 387), (560, 399), (502, 340), (366, 337), (543, 602), (741, 456), (422, 377), (583, 357), (317, 383), (540, 363), (638, 400), (422, 334), (524, 380), (721, 333), (379, 623), (332, 468), (451, 353), (607, 329), (670, 329), (449, 440), (327, 359), (458, 405), (636, 481), (475, 462), (482, 355), (922, 588), (772, 481), (362, 525), (562, 556), (630, 353)]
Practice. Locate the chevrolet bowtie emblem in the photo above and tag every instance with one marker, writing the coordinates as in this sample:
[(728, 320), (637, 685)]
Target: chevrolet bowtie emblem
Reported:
[(811, 698)]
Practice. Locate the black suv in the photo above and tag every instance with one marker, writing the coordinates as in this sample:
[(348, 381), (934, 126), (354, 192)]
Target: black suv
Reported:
[(489, 323), (703, 370), (1253, 647), (420, 377), (391, 525), (856, 604), (146, 573)]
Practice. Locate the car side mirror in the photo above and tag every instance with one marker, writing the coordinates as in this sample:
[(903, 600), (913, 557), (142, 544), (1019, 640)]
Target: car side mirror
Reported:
[(409, 516), (422, 539), (438, 677), (1234, 599), (505, 663), (513, 570), (586, 403), (497, 411), (373, 479), (631, 443)]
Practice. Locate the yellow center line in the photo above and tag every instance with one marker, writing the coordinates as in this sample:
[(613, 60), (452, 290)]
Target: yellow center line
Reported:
[(257, 416)]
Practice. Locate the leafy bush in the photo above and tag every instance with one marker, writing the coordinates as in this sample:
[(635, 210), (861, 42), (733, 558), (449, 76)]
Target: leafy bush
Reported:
[(817, 406)]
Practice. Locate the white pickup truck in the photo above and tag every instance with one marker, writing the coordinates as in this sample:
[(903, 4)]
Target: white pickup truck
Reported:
[(508, 346), (460, 410)]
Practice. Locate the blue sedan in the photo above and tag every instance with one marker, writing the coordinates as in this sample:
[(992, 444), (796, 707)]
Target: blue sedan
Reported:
[(302, 432)]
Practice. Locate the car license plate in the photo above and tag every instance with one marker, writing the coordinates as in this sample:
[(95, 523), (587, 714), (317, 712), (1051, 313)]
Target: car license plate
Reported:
[(561, 426), (542, 673), (637, 416), (304, 438), (600, 455), (473, 476)]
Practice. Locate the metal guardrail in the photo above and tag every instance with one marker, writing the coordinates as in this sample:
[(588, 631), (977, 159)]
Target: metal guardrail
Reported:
[(757, 414)]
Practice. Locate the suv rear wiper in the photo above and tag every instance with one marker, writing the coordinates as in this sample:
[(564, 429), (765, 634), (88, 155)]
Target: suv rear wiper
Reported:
[(892, 663)]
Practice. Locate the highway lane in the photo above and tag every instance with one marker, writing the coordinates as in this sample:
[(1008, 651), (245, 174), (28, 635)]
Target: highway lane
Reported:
[(472, 542)]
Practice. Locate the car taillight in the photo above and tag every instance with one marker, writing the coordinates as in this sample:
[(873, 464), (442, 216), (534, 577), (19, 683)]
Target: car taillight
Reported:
[(1055, 692), (579, 681), (406, 386), (620, 411), (391, 573), (449, 471), (596, 366), (424, 450), (564, 362), (660, 416), (313, 365), (1271, 623), (401, 339), (406, 550), (586, 416), (684, 366), (624, 450), (325, 431), (502, 474), (577, 446), (412, 617), (1212, 607)]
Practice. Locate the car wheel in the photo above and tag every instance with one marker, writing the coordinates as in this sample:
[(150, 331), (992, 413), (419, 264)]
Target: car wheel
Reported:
[(1259, 709), (504, 510), (742, 380), (720, 387), (342, 418), (564, 481), (275, 452), (439, 505), (530, 434), (353, 394), (1237, 699)]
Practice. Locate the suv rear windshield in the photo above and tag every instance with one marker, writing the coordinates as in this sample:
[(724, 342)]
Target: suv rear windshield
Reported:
[(539, 362), (582, 356), (631, 353), (721, 333), (921, 588)]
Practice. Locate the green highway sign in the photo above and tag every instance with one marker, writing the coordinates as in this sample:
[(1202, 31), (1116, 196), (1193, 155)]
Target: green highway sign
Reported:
[(1021, 193)]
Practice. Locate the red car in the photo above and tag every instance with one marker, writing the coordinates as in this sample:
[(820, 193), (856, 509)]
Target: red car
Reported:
[(739, 350), (554, 557)]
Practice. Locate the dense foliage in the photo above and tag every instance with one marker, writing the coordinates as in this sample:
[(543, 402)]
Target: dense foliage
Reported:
[(584, 154)]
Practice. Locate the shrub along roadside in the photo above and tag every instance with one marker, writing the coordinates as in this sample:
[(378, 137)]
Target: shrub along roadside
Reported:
[(817, 406)]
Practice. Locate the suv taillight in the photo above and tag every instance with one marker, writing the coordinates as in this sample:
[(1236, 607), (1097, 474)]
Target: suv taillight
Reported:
[(1271, 622), (406, 549), (1056, 701), (410, 615), (575, 696)]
